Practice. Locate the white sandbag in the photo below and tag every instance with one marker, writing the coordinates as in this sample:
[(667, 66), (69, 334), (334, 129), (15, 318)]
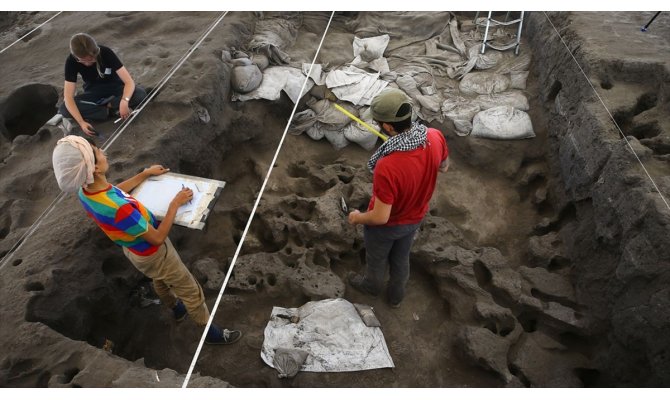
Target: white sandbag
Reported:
[(261, 60), (356, 133), (370, 49), (327, 114), (429, 103), (336, 138), (302, 121), (460, 108), (463, 126), (408, 85), (315, 132), (484, 83), (515, 63), (241, 62), (511, 98), (502, 122), (486, 60), (518, 79), (246, 78)]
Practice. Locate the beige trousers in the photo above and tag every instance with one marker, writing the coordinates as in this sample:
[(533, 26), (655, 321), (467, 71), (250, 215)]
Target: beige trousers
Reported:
[(172, 280)]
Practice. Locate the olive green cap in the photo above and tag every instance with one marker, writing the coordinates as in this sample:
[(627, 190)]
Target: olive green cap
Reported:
[(386, 104)]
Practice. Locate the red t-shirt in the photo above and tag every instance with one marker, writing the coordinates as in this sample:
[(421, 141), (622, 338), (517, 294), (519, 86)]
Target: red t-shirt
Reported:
[(406, 179)]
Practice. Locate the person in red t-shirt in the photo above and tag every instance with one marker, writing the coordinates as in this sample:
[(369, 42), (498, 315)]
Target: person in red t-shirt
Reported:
[(405, 171)]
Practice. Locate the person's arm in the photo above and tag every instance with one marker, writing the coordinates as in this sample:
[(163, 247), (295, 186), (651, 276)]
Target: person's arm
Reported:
[(128, 90), (158, 236), (69, 88), (130, 184), (379, 215), (445, 165)]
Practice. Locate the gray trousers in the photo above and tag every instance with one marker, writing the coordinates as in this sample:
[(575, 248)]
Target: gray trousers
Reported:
[(388, 245)]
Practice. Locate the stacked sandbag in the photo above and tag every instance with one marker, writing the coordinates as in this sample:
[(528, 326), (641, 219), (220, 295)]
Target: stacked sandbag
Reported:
[(502, 122), (246, 76)]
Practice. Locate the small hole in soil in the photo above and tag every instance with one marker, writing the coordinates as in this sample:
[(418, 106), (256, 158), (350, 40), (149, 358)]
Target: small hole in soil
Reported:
[(17, 262), (34, 286), (606, 84), (68, 376), (553, 92), (28, 108), (528, 322), (252, 280), (272, 280)]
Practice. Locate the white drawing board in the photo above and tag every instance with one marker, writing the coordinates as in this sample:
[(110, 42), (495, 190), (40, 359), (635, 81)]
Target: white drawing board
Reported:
[(157, 192)]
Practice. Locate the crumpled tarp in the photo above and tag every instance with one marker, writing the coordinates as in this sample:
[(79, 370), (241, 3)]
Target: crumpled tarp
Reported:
[(276, 32), (276, 79), (355, 85), (333, 334)]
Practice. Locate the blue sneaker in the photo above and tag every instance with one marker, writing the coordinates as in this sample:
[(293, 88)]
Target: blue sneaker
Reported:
[(216, 335), (179, 311)]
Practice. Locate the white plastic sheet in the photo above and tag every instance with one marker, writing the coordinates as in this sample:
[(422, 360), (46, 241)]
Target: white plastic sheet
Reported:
[(276, 79), (333, 334)]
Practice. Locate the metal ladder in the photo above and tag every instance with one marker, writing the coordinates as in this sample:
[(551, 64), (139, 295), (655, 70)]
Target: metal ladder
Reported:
[(492, 22)]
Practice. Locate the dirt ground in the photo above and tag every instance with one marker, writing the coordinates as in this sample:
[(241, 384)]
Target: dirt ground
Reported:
[(518, 272)]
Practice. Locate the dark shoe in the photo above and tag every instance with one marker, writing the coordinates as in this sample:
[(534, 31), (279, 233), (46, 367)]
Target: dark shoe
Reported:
[(358, 282), (179, 311), (216, 335), (394, 305)]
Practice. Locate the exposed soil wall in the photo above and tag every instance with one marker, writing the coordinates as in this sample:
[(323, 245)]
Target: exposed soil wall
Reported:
[(618, 240)]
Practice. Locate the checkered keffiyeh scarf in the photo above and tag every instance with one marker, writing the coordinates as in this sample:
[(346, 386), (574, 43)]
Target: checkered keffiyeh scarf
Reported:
[(407, 141)]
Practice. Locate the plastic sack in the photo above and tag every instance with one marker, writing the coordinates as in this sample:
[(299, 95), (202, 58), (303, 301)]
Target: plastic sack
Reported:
[(486, 60), (288, 362), (315, 132), (356, 133), (246, 78), (367, 314), (370, 49), (484, 83), (518, 79), (459, 108), (502, 122), (336, 138), (512, 98), (516, 63), (326, 113), (302, 121)]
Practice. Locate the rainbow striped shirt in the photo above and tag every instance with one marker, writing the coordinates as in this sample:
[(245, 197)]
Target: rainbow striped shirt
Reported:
[(121, 217)]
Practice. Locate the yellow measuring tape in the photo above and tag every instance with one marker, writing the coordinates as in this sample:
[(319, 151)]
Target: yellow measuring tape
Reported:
[(355, 118)]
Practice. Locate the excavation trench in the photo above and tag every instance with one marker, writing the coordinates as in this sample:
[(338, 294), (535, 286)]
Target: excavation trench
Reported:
[(527, 270)]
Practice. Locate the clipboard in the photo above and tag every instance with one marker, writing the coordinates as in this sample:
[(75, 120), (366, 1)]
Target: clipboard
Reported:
[(156, 193)]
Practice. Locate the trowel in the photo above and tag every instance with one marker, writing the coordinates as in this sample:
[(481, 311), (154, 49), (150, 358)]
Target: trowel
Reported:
[(343, 206)]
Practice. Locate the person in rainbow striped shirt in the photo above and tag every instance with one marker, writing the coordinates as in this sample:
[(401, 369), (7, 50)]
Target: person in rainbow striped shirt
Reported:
[(81, 167)]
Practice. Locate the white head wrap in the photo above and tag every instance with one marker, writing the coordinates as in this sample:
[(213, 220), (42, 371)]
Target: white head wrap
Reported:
[(73, 163)]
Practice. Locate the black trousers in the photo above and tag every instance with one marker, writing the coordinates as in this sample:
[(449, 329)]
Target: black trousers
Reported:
[(92, 104)]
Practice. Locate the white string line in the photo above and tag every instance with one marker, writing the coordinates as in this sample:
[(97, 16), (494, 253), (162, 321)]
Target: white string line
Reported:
[(114, 136), (609, 113), (253, 211), (28, 34), (162, 83)]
